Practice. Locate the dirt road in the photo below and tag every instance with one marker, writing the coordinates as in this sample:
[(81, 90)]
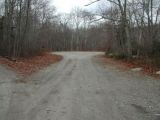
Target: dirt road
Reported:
[(80, 87)]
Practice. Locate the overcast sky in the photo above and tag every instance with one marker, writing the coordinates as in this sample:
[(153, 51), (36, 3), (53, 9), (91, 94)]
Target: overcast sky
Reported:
[(65, 6)]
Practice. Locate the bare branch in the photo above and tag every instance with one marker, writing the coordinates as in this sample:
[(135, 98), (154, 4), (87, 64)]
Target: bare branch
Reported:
[(113, 2), (97, 20), (92, 3)]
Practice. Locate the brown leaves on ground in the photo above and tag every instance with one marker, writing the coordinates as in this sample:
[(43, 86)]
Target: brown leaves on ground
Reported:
[(26, 66), (148, 68)]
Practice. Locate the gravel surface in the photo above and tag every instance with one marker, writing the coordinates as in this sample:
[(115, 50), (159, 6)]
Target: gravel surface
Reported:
[(80, 87)]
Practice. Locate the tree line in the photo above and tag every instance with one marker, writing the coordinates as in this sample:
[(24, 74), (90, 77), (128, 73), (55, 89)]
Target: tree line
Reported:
[(28, 27), (133, 27), (23, 23), (123, 27)]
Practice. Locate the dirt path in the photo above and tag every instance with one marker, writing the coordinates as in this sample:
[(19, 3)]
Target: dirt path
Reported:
[(80, 87)]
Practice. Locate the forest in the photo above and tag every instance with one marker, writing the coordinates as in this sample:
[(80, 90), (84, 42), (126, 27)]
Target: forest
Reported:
[(28, 27), (125, 28)]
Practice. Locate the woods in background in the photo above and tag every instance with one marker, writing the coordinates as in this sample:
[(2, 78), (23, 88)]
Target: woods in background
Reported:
[(77, 33), (133, 27), (23, 23), (127, 28), (28, 27)]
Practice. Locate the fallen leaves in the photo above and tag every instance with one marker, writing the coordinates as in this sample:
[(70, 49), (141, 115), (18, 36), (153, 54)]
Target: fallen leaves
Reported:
[(149, 69), (27, 66)]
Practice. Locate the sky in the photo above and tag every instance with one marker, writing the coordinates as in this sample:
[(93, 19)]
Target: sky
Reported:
[(65, 6)]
